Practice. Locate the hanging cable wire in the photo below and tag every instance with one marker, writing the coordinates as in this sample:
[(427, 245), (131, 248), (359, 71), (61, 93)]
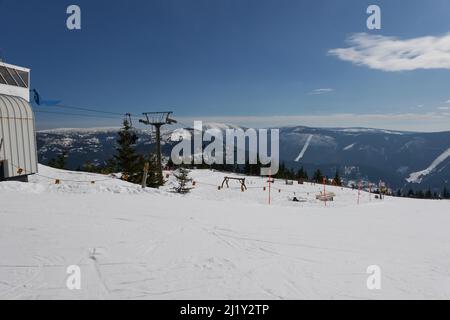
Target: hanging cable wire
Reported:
[(92, 110), (75, 114)]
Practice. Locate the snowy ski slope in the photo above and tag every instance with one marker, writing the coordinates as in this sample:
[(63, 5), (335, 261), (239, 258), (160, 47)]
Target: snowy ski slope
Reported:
[(152, 244)]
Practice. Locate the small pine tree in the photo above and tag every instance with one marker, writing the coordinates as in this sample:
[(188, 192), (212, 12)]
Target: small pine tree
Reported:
[(290, 174), (87, 167), (318, 176), (154, 180), (183, 179), (59, 162), (337, 179), (170, 165), (110, 166), (301, 174), (127, 160), (252, 169), (281, 174), (420, 194), (445, 193)]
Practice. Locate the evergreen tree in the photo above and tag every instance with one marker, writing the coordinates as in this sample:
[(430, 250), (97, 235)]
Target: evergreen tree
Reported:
[(290, 174), (170, 165), (318, 176), (59, 162), (252, 169), (302, 174), (337, 179), (445, 193), (183, 179), (153, 178), (428, 194), (281, 174), (88, 166), (110, 166), (128, 162)]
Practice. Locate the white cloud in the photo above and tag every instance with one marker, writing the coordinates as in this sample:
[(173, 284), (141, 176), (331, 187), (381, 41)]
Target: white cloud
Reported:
[(448, 101), (444, 108), (394, 54), (322, 91)]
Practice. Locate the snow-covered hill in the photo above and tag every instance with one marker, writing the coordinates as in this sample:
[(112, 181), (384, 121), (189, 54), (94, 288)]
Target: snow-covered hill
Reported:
[(215, 244)]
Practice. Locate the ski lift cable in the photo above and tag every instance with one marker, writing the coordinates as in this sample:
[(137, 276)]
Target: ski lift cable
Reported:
[(37, 100), (94, 110), (76, 114)]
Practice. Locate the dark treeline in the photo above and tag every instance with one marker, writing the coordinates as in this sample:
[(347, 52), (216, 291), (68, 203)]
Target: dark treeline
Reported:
[(283, 172), (424, 194)]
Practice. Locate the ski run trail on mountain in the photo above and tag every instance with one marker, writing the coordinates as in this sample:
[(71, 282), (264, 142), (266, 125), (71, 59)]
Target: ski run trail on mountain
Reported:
[(416, 177), (305, 147), (152, 244)]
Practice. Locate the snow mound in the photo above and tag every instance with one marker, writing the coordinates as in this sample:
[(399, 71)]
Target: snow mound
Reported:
[(45, 181), (205, 188)]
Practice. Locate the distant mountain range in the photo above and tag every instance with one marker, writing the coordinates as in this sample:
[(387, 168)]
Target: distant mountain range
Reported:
[(401, 159)]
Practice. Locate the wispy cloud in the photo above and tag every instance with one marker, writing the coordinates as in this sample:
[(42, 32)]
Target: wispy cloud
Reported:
[(394, 54), (322, 91), (444, 108)]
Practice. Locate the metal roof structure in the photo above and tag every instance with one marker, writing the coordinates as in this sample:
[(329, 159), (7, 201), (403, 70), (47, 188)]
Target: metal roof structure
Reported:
[(18, 156)]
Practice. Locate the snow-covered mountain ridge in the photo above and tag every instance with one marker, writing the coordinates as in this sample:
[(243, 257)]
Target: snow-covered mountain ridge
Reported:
[(391, 156)]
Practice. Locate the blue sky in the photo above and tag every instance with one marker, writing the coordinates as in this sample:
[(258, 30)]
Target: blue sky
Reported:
[(257, 63)]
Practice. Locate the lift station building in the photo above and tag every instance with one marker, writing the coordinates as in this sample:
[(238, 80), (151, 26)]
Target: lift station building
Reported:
[(18, 154)]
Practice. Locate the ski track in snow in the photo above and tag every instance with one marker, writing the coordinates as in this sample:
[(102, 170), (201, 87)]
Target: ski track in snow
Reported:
[(417, 177), (213, 244), (305, 147)]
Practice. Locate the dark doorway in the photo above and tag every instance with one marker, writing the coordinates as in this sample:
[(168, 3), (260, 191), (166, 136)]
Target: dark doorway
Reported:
[(2, 170)]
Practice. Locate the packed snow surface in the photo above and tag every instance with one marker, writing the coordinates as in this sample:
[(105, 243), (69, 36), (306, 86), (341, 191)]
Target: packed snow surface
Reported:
[(134, 243)]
